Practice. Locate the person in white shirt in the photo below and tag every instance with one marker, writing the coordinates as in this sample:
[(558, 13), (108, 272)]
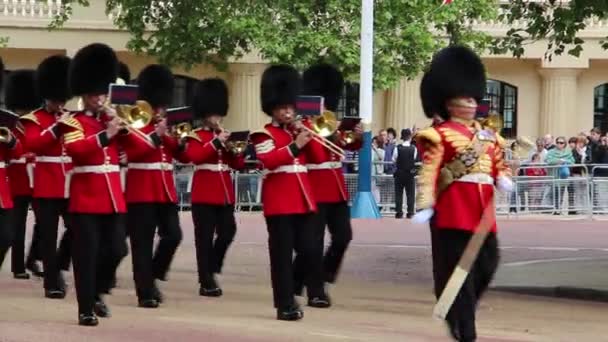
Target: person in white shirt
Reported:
[(405, 157)]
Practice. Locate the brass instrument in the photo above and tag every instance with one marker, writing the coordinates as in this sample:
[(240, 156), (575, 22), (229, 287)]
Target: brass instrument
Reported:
[(523, 147), (5, 135), (493, 122), (236, 147), (182, 130), (137, 116), (324, 126)]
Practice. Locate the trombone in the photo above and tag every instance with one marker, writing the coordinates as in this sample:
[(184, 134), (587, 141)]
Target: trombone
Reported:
[(324, 126), (5, 135), (133, 117), (182, 130)]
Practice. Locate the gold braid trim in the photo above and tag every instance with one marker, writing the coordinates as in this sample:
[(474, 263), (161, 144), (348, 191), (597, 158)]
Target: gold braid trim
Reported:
[(70, 121), (503, 170), (30, 117), (73, 136), (427, 180)]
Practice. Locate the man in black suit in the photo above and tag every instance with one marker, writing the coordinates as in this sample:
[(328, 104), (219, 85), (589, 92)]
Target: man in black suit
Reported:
[(405, 158)]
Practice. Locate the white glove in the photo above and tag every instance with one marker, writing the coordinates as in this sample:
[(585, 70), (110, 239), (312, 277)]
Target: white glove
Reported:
[(423, 216), (505, 184)]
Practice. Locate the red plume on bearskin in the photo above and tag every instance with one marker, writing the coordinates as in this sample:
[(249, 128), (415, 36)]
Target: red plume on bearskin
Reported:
[(92, 70), (280, 86), (20, 92), (156, 85), (52, 78), (324, 80), (210, 98)]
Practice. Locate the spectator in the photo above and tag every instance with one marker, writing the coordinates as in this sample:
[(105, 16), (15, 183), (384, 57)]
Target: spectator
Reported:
[(536, 190), (377, 166), (578, 147), (600, 157), (548, 140), (593, 142), (540, 150), (560, 155), (389, 150), (405, 157)]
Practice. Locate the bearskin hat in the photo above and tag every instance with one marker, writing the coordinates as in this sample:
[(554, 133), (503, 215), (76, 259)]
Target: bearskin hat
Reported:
[(324, 80), (20, 93), (124, 72), (210, 98), (455, 71), (280, 86), (1, 72), (52, 78), (156, 85), (427, 97), (92, 70)]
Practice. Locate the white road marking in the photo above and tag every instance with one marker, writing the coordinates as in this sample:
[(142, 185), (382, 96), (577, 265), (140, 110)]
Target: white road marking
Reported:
[(342, 337), (543, 261)]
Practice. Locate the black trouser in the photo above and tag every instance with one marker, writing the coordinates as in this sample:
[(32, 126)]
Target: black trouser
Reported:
[(450, 244), (19, 223), (98, 246), (336, 216), (405, 181), (6, 233), (142, 220), (287, 233), (48, 211), (210, 220)]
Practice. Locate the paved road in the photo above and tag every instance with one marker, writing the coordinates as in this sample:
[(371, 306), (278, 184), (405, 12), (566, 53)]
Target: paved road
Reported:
[(384, 293)]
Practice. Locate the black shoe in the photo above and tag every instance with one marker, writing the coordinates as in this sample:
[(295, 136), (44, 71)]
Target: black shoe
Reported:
[(290, 313), (101, 309), (454, 331), (298, 289), (399, 215), (157, 295), (409, 216), (148, 303), (88, 320), (321, 302), (35, 269), (210, 288), (54, 293), (22, 275)]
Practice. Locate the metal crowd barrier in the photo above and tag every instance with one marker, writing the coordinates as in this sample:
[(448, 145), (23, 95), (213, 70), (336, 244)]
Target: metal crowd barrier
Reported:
[(581, 194)]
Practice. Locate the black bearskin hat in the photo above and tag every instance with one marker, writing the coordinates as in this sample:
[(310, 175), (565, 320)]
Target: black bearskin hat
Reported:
[(124, 72), (280, 86), (52, 78), (1, 72), (156, 85), (324, 80), (20, 93), (427, 97), (92, 70), (210, 97), (456, 71)]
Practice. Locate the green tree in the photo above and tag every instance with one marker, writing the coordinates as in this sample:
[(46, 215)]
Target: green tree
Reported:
[(557, 21), (298, 32)]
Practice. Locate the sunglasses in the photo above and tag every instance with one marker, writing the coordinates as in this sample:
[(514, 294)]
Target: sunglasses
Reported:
[(561, 142)]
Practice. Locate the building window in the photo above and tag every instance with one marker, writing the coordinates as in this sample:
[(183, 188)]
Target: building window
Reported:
[(503, 100), (182, 93), (600, 107), (348, 106)]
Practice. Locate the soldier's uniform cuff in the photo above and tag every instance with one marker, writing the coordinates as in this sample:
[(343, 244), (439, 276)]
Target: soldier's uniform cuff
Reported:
[(103, 139), (155, 139), (294, 149), (217, 144), (12, 143)]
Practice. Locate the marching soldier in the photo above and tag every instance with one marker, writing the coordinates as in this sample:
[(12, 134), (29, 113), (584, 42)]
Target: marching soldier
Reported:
[(52, 166), (21, 97), (327, 179), (462, 162), (288, 201), (96, 203), (150, 188), (212, 189)]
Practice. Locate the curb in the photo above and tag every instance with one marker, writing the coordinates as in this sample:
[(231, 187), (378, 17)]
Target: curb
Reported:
[(577, 293)]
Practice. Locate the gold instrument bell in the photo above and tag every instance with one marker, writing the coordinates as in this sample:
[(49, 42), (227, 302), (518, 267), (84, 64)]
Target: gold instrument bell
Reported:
[(5, 134), (136, 116), (493, 122), (182, 130), (325, 124), (236, 147)]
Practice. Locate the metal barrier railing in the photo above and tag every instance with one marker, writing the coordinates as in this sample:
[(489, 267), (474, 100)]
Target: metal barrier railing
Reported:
[(580, 194)]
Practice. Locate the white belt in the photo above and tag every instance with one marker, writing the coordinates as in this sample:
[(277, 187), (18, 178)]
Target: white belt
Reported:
[(325, 166), (96, 169), (212, 167), (53, 159), (479, 178), (2, 165), (295, 168), (159, 166)]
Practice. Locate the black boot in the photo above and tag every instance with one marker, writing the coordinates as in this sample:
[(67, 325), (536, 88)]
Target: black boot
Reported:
[(209, 287), (156, 294), (21, 275), (88, 320), (320, 302), (290, 313), (54, 293), (149, 303), (101, 309), (34, 267)]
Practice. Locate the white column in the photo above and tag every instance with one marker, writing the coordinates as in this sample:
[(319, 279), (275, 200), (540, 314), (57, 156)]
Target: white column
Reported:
[(245, 112), (558, 112), (403, 106)]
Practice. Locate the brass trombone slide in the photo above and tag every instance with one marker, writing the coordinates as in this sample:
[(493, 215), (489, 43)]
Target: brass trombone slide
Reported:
[(132, 117), (324, 125)]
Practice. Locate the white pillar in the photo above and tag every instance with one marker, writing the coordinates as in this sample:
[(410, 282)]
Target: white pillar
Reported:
[(558, 111), (245, 112), (403, 106)]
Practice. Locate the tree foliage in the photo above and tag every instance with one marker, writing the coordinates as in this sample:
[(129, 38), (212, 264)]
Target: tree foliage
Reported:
[(558, 21), (298, 32)]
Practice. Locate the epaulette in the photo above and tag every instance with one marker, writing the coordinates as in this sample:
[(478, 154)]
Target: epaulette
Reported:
[(70, 121), (263, 131), (192, 135), (19, 127), (30, 117), (430, 134)]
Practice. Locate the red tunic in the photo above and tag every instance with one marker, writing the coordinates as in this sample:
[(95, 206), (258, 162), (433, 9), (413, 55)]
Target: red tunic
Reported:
[(325, 172), (150, 167), (212, 180), (42, 138), (286, 187), (7, 152), (95, 179), (20, 170), (461, 203)]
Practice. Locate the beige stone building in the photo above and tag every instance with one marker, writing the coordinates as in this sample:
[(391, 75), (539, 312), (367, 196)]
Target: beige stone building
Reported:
[(535, 96)]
